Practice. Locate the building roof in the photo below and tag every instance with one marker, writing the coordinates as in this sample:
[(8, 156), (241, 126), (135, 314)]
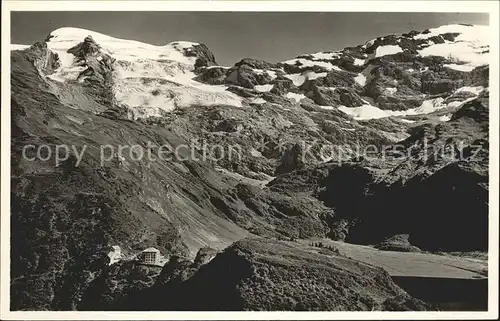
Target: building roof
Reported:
[(151, 249)]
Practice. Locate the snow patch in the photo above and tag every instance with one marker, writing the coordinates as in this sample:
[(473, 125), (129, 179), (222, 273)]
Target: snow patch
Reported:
[(465, 68), (244, 179), (369, 43), (255, 153), (387, 50), (313, 75), (263, 88), (461, 51), (270, 73), (364, 77), (360, 79), (257, 100), (454, 104), (157, 94), (310, 63), (297, 79), (64, 38), (367, 111), (64, 74), (470, 47), (407, 121), (445, 118), (390, 90), (359, 62), (222, 67), (475, 90), (428, 106), (324, 55), (294, 96), (475, 32)]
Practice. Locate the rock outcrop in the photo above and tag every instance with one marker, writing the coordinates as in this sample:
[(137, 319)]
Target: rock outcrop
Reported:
[(439, 176)]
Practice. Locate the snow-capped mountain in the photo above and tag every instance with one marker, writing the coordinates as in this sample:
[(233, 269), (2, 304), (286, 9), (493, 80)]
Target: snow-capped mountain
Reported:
[(150, 80)]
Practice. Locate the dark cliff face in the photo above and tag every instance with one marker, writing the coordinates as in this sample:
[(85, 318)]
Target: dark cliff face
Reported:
[(284, 184)]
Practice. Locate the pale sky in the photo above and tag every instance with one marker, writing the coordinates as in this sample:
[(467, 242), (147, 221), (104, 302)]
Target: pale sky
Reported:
[(231, 36)]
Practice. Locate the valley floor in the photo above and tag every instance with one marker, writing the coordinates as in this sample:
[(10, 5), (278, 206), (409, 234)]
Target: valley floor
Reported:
[(413, 264)]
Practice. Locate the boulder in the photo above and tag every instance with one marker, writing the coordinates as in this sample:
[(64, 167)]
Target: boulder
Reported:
[(398, 243), (44, 60), (246, 76), (204, 57), (204, 255)]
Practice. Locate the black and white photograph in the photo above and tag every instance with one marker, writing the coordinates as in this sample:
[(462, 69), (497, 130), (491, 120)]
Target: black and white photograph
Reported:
[(164, 160)]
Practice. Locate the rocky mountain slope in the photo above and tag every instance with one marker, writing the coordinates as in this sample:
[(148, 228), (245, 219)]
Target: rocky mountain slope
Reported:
[(361, 144)]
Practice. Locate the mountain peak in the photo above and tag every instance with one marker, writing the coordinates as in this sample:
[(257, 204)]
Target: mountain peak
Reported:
[(150, 79)]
